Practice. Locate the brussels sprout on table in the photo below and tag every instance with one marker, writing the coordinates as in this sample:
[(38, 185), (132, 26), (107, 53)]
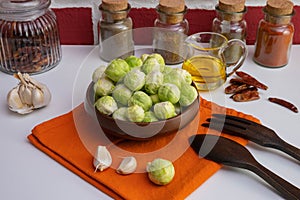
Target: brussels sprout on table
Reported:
[(117, 69), (164, 110), (106, 105), (122, 94), (178, 77), (103, 87), (169, 92), (135, 79), (154, 98), (133, 61), (142, 99), (159, 59), (160, 171), (135, 113)]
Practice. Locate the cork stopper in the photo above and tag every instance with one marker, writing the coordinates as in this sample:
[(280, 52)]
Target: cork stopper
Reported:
[(114, 5), (171, 6), (232, 5), (279, 7)]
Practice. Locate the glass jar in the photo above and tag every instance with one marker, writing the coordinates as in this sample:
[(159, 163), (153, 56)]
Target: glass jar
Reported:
[(169, 38), (29, 37), (274, 40), (115, 34), (233, 26)]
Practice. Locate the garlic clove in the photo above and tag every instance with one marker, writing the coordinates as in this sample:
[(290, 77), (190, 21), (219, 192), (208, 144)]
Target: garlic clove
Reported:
[(102, 159), (127, 166), (37, 98), (13, 99)]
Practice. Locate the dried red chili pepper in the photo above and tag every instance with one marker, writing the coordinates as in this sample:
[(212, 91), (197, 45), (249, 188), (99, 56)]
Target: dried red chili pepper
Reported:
[(249, 94), (284, 103), (250, 79), (234, 88), (248, 82)]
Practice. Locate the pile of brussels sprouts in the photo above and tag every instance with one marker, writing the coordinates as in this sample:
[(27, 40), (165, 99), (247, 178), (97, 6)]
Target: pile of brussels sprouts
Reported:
[(142, 89)]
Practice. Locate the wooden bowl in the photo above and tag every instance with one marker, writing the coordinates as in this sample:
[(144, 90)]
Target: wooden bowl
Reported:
[(140, 130)]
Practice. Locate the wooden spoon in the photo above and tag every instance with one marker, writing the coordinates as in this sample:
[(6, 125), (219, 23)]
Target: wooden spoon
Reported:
[(228, 152)]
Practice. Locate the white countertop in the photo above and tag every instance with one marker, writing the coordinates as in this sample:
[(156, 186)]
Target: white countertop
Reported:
[(27, 173)]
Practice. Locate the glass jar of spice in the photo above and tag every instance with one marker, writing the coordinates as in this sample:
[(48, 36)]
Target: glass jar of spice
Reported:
[(230, 22), (115, 30), (173, 29), (29, 37), (275, 34)]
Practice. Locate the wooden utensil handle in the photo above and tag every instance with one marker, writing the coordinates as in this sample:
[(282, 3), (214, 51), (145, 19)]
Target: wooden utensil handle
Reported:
[(287, 190), (289, 149)]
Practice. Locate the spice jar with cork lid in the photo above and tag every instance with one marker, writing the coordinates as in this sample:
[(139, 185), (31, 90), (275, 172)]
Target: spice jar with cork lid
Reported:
[(29, 36), (172, 30), (230, 22), (115, 30), (275, 34)]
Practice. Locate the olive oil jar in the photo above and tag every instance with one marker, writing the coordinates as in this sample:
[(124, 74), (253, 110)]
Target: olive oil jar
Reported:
[(29, 36)]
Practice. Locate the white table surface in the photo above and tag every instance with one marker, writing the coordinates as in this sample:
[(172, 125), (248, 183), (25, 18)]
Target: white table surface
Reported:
[(27, 173)]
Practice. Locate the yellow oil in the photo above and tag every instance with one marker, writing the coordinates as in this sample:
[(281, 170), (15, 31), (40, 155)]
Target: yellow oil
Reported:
[(207, 72)]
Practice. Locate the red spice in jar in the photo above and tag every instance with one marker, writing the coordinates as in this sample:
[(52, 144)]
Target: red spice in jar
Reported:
[(275, 34)]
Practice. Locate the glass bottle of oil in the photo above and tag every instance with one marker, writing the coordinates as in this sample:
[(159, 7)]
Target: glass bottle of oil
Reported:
[(230, 22)]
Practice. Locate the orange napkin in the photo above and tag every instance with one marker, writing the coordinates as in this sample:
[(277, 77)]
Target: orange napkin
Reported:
[(71, 140)]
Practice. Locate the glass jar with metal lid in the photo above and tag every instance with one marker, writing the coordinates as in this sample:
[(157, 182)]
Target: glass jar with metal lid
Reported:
[(275, 34), (169, 39), (115, 30), (230, 22), (29, 37)]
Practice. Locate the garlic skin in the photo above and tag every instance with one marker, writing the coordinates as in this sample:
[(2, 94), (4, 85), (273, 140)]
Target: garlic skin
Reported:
[(127, 166), (102, 159), (28, 95)]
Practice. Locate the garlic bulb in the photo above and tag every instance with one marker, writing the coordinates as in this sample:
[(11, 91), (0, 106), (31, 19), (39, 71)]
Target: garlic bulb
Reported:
[(127, 166), (102, 159), (28, 95)]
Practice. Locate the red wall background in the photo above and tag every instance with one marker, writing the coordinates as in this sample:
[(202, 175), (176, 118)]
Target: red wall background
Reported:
[(75, 24)]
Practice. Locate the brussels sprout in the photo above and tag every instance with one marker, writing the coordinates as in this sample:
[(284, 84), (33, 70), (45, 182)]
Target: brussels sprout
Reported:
[(135, 113), (144, 57), (188, 95), (186, 76), (106, 105), (122, 94), (150, 65), (120, 114), (142, 99), (154, 98), (167, 69), (103, 87), (164, 110), (133, 61), (153, 81), (150, 117), (160, 171), (174, 77), (98, 73), (169, 92), (177, 108), (117, 69), (160, 60), (135, 79)]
